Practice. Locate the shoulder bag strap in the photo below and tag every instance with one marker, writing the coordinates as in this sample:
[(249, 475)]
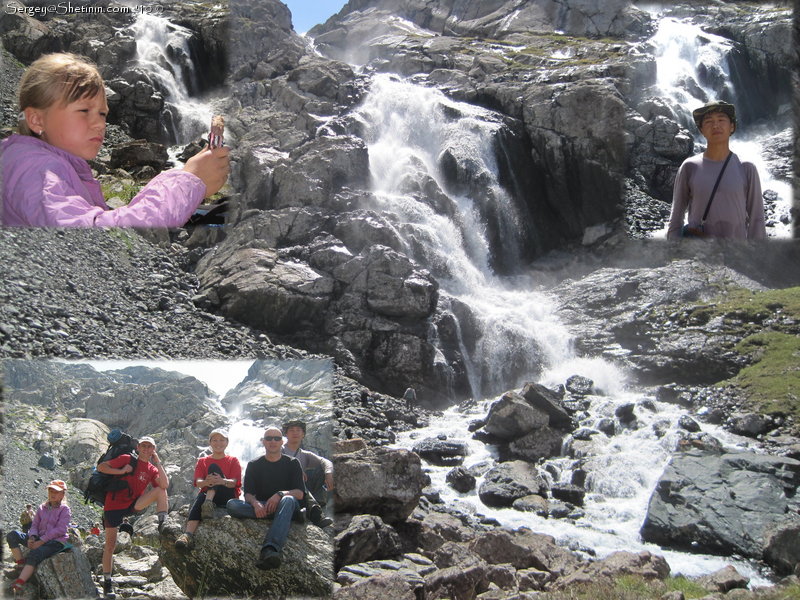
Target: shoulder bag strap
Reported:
[(714, 191)]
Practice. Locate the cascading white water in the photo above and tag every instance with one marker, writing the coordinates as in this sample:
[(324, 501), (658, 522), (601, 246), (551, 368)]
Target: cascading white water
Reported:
[(692, 69), (158, 45), (409, 127), (621, 474), (409, 130)]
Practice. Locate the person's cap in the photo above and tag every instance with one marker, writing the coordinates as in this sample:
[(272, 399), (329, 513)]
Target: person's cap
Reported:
[(221, 432), (147, 438), (716, 106), (295, 423), (57, 485)]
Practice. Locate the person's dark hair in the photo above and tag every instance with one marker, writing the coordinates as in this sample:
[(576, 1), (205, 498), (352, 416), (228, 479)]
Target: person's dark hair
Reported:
[(288, 424)]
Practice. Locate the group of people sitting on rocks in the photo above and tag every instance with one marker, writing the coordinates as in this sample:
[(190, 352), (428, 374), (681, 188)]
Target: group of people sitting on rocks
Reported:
[(277, 486)]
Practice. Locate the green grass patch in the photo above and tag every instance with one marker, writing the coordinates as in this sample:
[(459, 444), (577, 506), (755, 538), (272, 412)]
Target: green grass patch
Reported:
[(772, 382), (745, 305), (122, 189), (123, 235), (689, 588)]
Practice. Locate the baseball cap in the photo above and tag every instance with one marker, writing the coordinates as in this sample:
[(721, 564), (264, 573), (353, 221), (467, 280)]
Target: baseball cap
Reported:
[(57, 485)]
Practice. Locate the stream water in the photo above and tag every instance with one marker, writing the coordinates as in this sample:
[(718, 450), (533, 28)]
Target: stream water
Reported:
[(410, 128)]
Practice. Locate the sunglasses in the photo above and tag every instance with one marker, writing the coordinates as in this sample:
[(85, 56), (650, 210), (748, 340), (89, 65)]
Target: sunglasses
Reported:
[(272, 438)]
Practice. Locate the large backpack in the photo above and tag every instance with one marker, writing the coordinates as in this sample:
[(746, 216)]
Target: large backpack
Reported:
[(102, 483)]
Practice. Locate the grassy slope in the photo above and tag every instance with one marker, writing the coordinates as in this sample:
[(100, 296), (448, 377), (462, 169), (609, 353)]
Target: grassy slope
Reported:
[(770, 322)]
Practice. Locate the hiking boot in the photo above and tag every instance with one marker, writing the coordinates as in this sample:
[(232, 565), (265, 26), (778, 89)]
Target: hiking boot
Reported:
[(269, 559), (108, 590), (317, 518), (184, 542), (207, 510)]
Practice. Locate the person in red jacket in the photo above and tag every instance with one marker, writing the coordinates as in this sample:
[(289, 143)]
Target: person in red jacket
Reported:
[(148, 472), (219, 478)]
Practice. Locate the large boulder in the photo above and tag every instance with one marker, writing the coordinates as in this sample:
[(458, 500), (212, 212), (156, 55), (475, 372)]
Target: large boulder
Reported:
[(223, 559), (723, 503), (67, 575), (684, 353), (366, 537), (509, 481), (512, 417), (611, 568), (379, 481), (524, 549)]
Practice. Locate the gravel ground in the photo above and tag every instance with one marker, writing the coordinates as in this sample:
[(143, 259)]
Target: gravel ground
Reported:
[(28, 486), (96, 293), (12, 72)]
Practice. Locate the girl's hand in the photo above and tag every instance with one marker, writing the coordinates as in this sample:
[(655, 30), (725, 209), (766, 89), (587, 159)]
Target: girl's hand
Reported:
[(212, 166)]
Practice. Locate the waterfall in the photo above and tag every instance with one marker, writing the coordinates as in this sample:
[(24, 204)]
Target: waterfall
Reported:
[(414, 135), (693, 68), (435, 179), (162, 51)]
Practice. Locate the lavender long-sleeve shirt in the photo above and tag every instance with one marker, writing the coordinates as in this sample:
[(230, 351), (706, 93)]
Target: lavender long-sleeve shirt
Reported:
[(45, 186), (51, 523), (737, 210)]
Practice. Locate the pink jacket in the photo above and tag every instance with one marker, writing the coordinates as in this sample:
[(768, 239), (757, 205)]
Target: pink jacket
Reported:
[(44, 186), (51, 523)]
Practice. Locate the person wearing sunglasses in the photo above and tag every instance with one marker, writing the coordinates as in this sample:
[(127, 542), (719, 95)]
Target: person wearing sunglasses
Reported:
[(273, 489)]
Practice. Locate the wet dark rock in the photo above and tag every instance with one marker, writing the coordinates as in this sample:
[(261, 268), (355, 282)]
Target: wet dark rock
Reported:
[(460, 480), (568, 492), (441, 452), (625, 413), (366, 537), (548, 401), (533, 503), (688, 423), (542, 443), (512, 416), (607, 426), (579, 385), (584, 433), (509, 481), (726, 503)]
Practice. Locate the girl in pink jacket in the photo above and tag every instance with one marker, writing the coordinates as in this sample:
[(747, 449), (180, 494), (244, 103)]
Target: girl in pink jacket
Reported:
[(47, 535), (46, 179)]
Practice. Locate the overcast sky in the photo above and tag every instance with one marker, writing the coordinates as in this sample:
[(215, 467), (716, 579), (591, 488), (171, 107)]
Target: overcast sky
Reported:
[(218, 375)]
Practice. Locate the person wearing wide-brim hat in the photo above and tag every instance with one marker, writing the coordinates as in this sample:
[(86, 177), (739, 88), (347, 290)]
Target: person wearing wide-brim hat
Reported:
[(718, 193)]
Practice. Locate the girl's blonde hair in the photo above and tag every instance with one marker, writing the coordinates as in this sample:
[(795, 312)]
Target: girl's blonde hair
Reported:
[(59, 78)]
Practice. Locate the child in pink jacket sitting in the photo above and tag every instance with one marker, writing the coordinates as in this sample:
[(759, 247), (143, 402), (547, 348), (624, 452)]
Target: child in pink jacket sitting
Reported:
[(47, 535), (46, 179)]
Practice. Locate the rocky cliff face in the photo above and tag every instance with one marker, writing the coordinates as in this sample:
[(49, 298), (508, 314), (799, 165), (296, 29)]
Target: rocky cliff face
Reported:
[(310, 255)]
